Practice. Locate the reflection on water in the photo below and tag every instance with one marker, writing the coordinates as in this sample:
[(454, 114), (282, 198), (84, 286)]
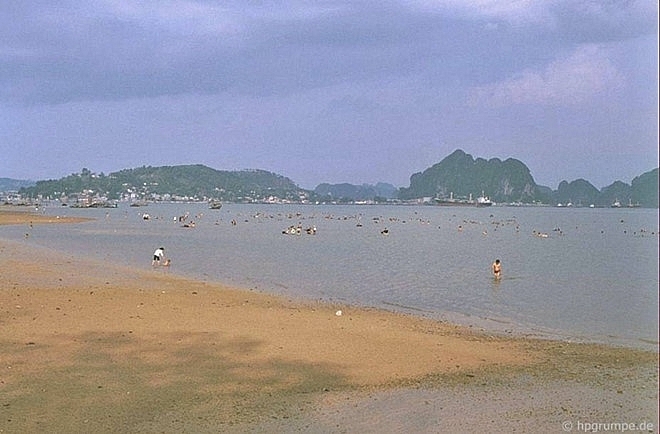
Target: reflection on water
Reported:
[(576, 273)]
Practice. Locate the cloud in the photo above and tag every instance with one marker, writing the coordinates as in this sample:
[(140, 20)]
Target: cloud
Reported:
[(517, 12), (577, 78), (598, 21), (55, 53), (118, 50), (590, 18)]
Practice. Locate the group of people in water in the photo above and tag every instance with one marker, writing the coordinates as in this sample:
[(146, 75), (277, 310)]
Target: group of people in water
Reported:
[(298, 230), (160, 260)]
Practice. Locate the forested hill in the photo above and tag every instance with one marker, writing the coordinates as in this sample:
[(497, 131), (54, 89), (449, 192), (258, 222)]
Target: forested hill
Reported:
[(460, 175), (191, 181), (8, 184)]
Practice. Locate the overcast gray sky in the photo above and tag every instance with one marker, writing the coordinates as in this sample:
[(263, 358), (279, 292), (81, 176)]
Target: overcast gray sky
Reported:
[(329, 91)]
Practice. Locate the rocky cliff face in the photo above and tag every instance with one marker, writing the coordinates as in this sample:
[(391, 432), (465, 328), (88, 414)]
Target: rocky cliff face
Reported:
[(460, 175)]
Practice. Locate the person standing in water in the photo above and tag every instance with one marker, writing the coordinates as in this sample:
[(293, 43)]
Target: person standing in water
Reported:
[(159, 254), (497, 268)]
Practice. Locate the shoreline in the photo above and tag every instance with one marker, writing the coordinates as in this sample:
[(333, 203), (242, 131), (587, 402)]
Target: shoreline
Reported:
[(123, 349), (11, 215)]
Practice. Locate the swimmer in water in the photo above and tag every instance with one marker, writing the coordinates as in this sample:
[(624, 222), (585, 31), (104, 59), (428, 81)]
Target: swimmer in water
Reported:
[(497, 269)]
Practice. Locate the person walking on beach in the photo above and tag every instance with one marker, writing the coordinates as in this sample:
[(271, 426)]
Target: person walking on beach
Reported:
[(497, 268), (158, 255)]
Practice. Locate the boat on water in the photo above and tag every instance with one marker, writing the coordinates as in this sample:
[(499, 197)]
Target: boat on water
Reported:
[(484, 200), (481, 201), (215, 204), (617, 204), (453, 202), (95, 204)]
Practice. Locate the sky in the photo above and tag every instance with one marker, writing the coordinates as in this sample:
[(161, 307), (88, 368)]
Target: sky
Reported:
[(329, 90)]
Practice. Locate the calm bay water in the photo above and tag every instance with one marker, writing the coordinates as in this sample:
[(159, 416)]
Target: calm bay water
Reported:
[(593, 278)]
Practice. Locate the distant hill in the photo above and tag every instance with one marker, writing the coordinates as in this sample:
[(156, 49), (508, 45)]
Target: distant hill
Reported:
[(642, 192), (617, 191), (578, 192), (644, 189), (349, 192), (460, 175), (9, 184), (167, 182)]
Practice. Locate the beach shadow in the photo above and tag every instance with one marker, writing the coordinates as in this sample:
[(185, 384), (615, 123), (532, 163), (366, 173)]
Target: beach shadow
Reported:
[(117, 382)]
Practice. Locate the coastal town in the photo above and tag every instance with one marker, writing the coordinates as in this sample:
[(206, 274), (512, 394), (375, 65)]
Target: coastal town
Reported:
[(92, 199)]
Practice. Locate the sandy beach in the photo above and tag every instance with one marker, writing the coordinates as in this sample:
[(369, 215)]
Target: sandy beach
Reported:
[(87, 346)]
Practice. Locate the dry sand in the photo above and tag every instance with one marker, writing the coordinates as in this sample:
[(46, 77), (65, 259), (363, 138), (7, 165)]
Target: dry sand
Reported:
[(93, 347)]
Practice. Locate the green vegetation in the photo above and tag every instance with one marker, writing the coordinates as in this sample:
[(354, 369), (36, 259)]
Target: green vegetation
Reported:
[(189, 182), (458, 176)]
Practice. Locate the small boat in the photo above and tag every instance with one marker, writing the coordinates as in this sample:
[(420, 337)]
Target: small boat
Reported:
[(215, 204), (103, 204), (483, 200)]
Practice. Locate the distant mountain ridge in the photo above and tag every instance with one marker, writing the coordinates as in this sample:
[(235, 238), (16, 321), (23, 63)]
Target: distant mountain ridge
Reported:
[(348, 192), (459, 175), (510, 181), (9, 184)]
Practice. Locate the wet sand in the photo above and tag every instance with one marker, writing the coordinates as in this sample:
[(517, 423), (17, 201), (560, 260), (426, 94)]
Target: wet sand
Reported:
[(87, 346), (11, 215)]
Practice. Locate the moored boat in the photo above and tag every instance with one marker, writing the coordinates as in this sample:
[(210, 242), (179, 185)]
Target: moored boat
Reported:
[(481, 201)]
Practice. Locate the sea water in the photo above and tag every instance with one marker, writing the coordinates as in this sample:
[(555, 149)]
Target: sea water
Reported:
[(569, 273)]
